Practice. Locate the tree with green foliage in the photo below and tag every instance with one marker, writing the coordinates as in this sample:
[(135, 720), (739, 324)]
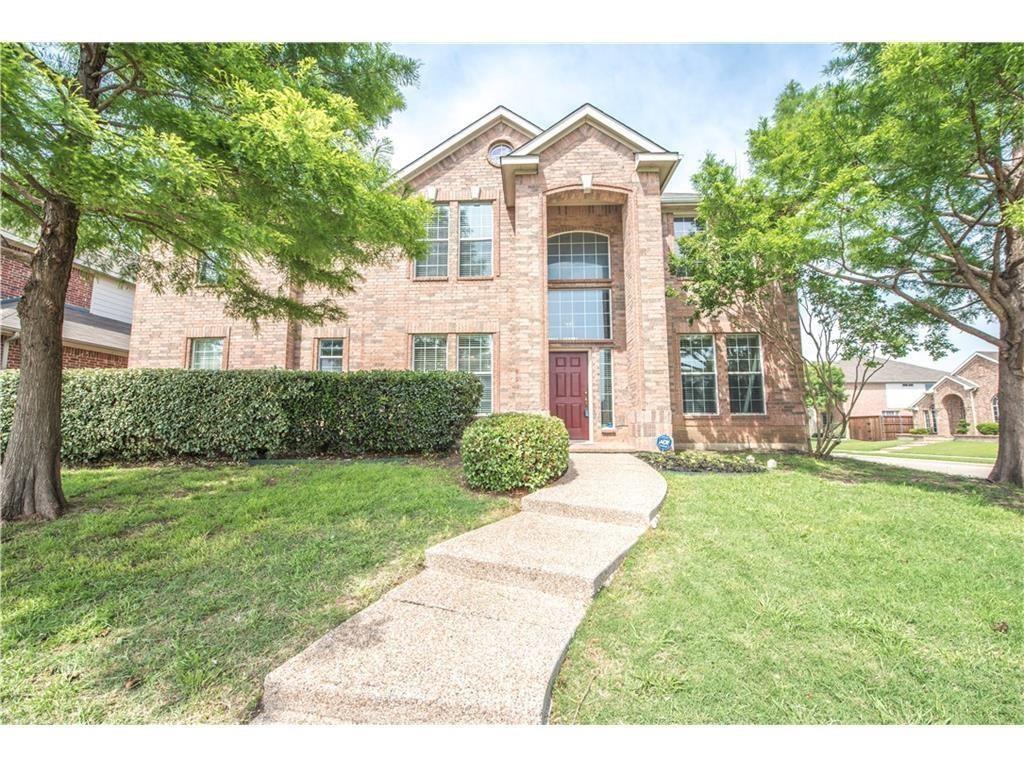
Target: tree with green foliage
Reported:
[(903, 174), (172, 161)]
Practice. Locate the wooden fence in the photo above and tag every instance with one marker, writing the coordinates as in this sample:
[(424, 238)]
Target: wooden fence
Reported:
[(879, 427)]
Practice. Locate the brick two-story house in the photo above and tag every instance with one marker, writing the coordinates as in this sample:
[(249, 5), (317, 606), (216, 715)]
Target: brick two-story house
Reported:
[(970, 393), (97, 311), (548, 278)]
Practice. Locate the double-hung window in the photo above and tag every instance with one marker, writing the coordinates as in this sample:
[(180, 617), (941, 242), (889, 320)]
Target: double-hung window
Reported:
[(206, 354), (746, 376), (329, 355), (682, 226), (430, 352), (476, 245), (436, 262), (700, 373), (475, 357)]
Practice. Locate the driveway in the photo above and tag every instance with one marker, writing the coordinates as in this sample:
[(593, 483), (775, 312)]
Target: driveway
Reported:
[(960, 469)]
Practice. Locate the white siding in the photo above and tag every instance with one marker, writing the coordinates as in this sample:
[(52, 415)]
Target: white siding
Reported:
[(900, 396), (112, 299)]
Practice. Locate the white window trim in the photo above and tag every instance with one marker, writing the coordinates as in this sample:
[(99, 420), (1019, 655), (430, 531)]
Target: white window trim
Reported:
[(611, 387), (475, 204), (564, 280), (611, 313), (490, 372), (447, 248), (320, 355), (714, 361), (412, 348), (764, 385), (192, 352)]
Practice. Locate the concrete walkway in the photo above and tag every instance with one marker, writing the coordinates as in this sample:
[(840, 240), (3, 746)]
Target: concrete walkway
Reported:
[(957, 468), (479, 635)]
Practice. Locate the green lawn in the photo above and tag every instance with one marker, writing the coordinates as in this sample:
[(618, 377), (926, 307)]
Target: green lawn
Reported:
[(955, 449), (838, 592), (168, 593), (868, 446)]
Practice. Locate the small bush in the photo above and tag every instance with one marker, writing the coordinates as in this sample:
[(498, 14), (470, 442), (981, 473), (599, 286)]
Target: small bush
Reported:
[(963, 427), (919, 431), (148, 415), (510, 451), (988, 428), (701, 461)]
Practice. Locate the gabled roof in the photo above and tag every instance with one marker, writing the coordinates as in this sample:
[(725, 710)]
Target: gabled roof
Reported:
[(588, 113), (992, 357), (467, 134), (895, 372)]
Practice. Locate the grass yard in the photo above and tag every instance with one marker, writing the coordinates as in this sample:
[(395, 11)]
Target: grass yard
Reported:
[(868, 446), (168, 593), (952, 450), (837, 592)]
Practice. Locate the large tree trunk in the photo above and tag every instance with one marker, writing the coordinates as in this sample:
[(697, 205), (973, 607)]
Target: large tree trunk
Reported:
[(1009, 466), (31, 465)]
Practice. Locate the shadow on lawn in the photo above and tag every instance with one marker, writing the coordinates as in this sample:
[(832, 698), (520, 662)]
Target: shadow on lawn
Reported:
[(853, 471)]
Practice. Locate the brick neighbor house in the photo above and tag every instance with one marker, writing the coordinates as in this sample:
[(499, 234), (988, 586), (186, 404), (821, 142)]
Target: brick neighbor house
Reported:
[(971, 392), (97, 311), (547, 279), (892, 388)]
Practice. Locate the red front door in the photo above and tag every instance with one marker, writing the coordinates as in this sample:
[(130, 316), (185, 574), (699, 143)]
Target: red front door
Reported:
[(568, 381)]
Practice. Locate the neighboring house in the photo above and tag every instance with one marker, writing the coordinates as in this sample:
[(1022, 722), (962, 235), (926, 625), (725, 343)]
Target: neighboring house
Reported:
[(892, 388), (546, 279), (97, 312), (970, 393)]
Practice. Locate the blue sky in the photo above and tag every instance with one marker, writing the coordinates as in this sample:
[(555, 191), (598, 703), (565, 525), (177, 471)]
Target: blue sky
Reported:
[(689, 98)]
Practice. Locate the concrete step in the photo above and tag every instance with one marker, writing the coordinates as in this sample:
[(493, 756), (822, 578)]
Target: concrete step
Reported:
[(445, 657), (557, 555)]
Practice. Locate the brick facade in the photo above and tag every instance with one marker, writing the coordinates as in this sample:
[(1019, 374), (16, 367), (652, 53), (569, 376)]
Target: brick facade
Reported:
[(949, 400), (14, 273), (72, 357), (392, 305)]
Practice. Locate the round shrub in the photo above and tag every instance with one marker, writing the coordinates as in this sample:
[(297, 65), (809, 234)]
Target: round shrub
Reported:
[(510, 451), (988, 428), (919, 431)]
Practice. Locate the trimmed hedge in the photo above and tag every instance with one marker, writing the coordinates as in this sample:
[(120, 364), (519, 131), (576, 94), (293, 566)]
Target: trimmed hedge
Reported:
[(146, 415), (920, 431), (701, 461), (512, 451), (988, 428)]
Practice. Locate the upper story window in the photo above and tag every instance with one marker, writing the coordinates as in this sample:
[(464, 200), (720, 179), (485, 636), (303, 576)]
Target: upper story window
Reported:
[(476, 246), (578, 256), (579, 314), (746, 376), (329, 355), (682, 226), (206, 354), (498, 151), (436, 262), (212, 270)]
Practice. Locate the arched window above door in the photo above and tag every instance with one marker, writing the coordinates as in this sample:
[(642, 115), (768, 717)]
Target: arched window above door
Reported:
[(578, 256)]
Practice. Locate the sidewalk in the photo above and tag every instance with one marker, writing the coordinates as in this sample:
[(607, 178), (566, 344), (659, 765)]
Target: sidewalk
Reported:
[(479, 635)]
